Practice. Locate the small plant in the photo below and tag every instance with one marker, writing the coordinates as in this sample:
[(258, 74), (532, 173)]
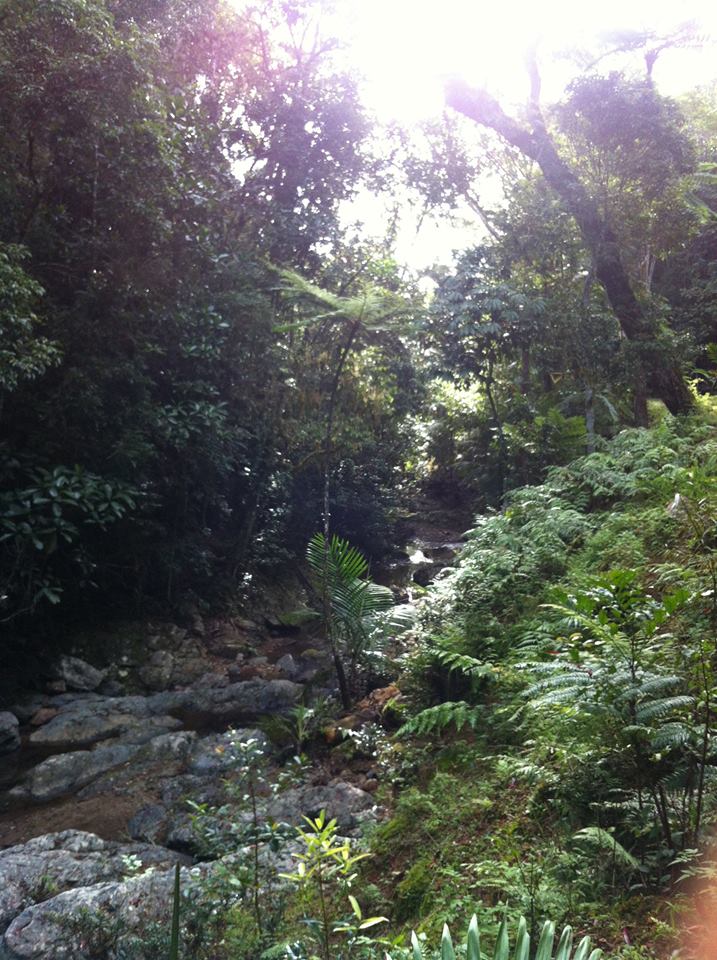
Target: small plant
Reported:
[(240, 823), (174, 929), (326, 868)]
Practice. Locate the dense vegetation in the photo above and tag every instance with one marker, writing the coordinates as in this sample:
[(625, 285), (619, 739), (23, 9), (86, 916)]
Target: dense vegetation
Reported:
[(203, 364)]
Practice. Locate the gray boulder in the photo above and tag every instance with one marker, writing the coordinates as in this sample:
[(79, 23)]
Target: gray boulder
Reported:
[(68, 772), (148, 823), (213, 755), (157, 672), (78, 674), (235, 702), (340, 800), (48, 865), (9, 732), (84, 722), (39, 933), (164, 755)]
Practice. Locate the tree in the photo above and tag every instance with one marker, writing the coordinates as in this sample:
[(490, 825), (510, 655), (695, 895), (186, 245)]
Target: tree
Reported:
[(536, 142)]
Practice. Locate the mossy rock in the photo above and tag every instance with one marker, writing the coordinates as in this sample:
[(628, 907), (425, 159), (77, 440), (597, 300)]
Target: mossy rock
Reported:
[(297, 618)]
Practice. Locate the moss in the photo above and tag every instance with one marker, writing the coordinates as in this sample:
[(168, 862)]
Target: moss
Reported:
[(412, 891)]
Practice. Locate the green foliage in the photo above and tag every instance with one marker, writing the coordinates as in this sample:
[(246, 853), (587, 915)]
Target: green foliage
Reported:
[(24, 355), (325, 870), (545, 947), (441, 717), (174, 929), (354, 609)]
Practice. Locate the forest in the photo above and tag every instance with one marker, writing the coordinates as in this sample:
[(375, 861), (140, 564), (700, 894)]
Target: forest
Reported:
[(353, 606)]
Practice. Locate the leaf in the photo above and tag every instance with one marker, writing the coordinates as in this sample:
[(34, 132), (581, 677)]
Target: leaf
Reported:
[(447, 951)]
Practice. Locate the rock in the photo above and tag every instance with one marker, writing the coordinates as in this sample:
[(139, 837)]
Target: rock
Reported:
[(42, 716), (213, 755), (157, 672), (56, 686), (226, 638), (80, 723), (9, 732), (148, 822), (25, 710), (68, 772), (288, 666), (233, 703), (56, 862), (188, 670), (212, 680), (112, 688), (39, 933), (257, 668), (78, 674), (340, 800), (163, 755)]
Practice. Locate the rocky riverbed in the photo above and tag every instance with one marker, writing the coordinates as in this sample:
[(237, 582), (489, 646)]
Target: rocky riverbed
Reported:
[(96, 771)]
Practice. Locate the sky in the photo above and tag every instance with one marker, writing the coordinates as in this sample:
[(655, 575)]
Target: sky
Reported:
[(405, 48)]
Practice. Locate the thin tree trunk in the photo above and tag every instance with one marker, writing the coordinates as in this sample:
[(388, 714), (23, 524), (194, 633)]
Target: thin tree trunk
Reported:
[(328, 443), (589, 420)]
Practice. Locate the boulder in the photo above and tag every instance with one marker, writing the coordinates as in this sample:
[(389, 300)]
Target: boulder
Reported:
[(340, 800), (78, 674), (163, 756), (42, 716), (235, 702), (43, 867), (9, 732), (213, 755), (288, 666), (157, 672), (226, 638), (148, 823), (80, 723), (27, 708), (68, 772), (39, 932)]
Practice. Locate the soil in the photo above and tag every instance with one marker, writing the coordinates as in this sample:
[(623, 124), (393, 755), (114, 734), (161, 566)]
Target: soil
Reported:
[(106, 816)]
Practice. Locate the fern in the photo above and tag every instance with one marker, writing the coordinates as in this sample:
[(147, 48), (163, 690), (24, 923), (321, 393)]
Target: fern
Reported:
[(657, 709), (465, 664), (601, 840), (436, 719)]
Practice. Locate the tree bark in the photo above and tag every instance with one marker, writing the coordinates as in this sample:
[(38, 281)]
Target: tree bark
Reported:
[(536, 143)]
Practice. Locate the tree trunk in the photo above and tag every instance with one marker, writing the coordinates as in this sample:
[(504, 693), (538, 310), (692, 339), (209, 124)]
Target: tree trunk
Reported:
[(589, 420), (536, 143)]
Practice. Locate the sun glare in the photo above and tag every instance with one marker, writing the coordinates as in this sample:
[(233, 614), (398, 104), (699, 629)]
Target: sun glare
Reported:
[(405, 48)]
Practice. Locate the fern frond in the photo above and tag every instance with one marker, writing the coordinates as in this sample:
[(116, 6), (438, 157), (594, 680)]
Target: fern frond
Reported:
[(657, 709), (602, 840), (436, 719)]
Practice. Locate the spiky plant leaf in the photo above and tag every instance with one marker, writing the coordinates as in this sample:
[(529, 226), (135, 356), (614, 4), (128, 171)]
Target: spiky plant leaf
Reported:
[(447, 951), (473, 940), (522, 941), (565, 944), (545, 944), (502, 944), (174, 930)]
